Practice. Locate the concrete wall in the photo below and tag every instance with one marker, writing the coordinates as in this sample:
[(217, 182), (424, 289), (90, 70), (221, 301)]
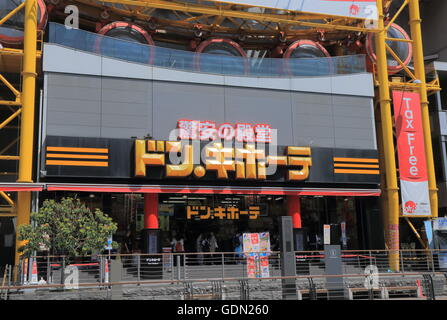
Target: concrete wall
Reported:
[(116, 99)]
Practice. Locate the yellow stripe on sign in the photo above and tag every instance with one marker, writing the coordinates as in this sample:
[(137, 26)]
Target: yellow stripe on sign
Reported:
[(356, 160), (76, 163), (76, 156), (73, 149), (353, 171), (352, 165)]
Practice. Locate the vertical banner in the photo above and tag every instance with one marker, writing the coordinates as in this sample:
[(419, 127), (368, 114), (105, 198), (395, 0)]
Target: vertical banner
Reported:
[(249, 251), (411, 154), (264, 240), (255, 245), (247, 242), (251, 267), (257, 249), (326, 234)]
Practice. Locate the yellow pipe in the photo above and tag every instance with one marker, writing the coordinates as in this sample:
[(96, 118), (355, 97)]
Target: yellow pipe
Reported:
[(396, 57), (23, 217), (27, 124), (13, 12), (383, 195), (28, 92), (418, 236), (208, 10), (402, 7), (9, 158), (10, 118), (10, 103), (419, 70), (10, 86), (392, 214), (399, 40), (7, 198)]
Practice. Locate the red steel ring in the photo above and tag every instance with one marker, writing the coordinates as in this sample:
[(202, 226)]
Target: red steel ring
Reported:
[(118, 24), (373, 57), (202, 46)]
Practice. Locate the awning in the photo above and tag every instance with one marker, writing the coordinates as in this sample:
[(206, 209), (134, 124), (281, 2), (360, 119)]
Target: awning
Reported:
[(188, 189), (21, 187)]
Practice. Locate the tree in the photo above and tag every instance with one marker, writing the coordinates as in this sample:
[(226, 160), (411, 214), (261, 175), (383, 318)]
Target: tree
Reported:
[(67, 227)]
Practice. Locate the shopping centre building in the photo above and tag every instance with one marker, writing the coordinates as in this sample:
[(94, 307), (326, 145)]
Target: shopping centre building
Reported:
[(268, 145)]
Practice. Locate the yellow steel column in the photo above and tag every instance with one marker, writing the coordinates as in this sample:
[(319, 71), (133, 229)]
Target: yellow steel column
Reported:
[(27, 122), (392, 214), (419, 70)]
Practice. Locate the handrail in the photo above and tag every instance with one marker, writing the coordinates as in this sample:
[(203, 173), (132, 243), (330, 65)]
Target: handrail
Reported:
[(202, 62), (229, 279), (315, 253)]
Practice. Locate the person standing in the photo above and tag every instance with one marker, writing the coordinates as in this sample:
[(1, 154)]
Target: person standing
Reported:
[(213, 246), (199, 249), (237, 245), (178, 247)]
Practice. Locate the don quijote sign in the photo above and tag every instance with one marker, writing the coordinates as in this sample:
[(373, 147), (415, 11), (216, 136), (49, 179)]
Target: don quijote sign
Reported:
[(247, 151), (411, 154)]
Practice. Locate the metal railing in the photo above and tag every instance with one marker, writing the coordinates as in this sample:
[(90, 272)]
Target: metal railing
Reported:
[(202, 62), (426, 286), (218, 265)]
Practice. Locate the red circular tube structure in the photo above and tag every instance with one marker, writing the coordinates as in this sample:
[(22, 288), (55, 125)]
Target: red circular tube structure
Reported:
[(15, 36), (215, 44), (220, 46), (302, 49), (395, 31), (305, 44), (125, 31)]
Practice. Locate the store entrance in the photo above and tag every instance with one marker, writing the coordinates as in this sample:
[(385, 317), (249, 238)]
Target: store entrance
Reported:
[(357, 219), (225, 217), (215, 223)]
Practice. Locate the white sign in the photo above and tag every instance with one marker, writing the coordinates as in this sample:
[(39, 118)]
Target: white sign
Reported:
[(440, 224), (327, 234), (364, 9), (109, 243), (71, 277)]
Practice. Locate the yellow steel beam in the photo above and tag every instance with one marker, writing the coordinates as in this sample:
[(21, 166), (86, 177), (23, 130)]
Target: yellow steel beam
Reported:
[(10, 118), (10, 86), (396, 57), (418, 236), (396, 15), (10, 103), (27, 122), (7, 198), (399, 40), (419, 69), (16, 52), (13, 12), (413, 86), (292, 19), (9, 145), (28, 92), (9, 158), (23, 215), (392, 213)]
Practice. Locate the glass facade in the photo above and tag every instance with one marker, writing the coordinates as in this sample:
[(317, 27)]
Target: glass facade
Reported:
[(192, 217)]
